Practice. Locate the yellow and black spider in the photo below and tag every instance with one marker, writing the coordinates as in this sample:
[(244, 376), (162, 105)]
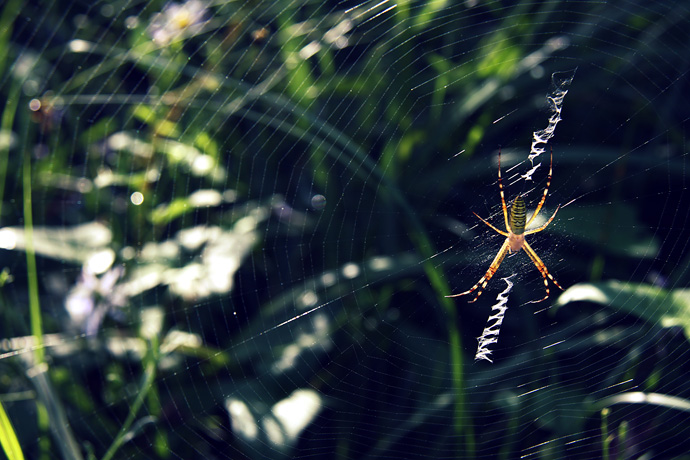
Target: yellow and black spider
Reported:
[(515, 236)]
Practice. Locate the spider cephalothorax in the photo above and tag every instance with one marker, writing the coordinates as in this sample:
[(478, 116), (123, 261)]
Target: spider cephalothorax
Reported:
[(515, 236)]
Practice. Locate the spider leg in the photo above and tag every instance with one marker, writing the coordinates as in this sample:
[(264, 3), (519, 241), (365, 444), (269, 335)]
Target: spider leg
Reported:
[(503, 198), (542, 269), (539, 229), (492, 227), (489, 273), (546, 191)]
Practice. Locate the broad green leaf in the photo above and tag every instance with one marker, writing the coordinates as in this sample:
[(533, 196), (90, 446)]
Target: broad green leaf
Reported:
[(656, 305)]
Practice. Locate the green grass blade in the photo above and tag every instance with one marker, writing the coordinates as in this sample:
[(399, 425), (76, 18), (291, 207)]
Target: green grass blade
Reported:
[(7, 17), (32, 273), (6, 122), (8, 438), (146, 384), (605, 438), (52, 415)]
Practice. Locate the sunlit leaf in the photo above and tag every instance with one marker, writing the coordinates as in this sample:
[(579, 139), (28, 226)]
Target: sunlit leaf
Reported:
[(654, 304), (638, 397), (84, 244)]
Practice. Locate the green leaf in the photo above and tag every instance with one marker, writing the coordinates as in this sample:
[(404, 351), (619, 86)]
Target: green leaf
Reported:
[(429, 12), (656, 305), (166, 213)]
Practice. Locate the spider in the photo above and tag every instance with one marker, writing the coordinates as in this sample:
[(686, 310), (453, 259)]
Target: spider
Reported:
[(515, 236)]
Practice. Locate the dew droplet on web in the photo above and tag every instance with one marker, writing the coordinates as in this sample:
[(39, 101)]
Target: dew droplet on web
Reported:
[(318, 202)]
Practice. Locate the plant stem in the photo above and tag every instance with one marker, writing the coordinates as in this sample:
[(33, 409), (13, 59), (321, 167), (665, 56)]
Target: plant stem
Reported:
[(31, 272)]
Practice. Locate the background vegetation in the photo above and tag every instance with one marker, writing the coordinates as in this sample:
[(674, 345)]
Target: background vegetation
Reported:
[(228, 229)]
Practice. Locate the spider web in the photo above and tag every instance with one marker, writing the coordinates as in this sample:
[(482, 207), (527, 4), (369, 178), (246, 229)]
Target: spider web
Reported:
[(228, 229)]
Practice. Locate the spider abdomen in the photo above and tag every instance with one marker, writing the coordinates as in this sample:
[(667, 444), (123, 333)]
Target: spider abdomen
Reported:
[(518, 216)]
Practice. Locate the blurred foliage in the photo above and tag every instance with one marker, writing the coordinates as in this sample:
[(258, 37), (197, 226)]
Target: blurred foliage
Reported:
[(247, 215)]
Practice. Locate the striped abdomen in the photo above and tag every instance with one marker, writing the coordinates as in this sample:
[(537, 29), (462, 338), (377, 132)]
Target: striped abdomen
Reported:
[(518, 215)]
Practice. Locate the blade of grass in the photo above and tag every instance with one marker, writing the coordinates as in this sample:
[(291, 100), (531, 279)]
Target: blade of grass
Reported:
[(622, 438), (54, 414), (9, 14), (8, 438), (146, 384), (6, 132), (47, 405), (32, 274), (605, 438)]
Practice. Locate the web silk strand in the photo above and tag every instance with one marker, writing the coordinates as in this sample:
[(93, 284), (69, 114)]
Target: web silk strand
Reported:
[(491, 331), (560, 81)]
